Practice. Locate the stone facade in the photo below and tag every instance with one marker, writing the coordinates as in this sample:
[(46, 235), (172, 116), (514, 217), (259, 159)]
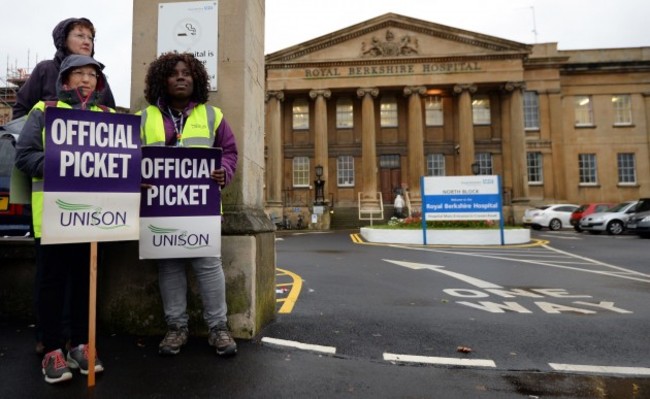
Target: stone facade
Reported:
[(409, 63)]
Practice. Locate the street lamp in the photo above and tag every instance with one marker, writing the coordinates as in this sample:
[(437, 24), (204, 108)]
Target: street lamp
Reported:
[(476, 169), (319, 184)]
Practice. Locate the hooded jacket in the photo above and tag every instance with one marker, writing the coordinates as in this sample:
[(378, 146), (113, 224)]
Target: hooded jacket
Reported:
[(30, 154), (29, 148), (41, 84)]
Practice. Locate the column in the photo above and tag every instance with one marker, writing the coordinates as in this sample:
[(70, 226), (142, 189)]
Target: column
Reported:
[(275, 156), (368, 141), (321, 156), (416, 167), (555, 121), (517, 141), (465, 149), (645, 189)]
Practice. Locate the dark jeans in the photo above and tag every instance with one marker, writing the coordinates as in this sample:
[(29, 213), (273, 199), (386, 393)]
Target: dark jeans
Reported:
[(62, 265)]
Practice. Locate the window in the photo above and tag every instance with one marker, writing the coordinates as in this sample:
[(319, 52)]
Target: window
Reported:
[(300, 114), (344, 113), (583, 110), (531, 110), (587, 168), (481, 110), (301, 172), (435, 165), (345, 171), (626, 168), (622, 109), (433, 111), (484, 160), (534, 166), (389, 161), (388, 112)]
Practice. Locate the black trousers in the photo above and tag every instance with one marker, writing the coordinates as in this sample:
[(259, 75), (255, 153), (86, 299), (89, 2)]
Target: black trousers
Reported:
[(63, 265)]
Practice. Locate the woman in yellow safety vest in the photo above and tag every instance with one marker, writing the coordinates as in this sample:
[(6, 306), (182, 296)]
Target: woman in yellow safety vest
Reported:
[(79, 86), (177, 91)]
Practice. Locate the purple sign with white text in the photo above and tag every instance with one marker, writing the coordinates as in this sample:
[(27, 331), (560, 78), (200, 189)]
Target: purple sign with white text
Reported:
[(91, 151), (179, 182)]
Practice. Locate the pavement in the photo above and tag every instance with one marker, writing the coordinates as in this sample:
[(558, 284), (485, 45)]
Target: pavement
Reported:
[(133, 369)]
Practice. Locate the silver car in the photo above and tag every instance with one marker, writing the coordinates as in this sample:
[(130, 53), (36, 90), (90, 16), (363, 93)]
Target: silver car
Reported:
[(639, 222), (612, 221)]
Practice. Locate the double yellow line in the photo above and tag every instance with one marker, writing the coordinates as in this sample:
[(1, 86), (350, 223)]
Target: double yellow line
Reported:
[(295, 285)]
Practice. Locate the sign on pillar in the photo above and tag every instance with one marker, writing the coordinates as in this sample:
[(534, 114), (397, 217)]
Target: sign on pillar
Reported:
[(191, 27)]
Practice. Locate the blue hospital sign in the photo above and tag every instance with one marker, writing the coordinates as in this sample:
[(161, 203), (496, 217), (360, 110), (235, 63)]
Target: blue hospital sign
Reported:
[(461, 197)]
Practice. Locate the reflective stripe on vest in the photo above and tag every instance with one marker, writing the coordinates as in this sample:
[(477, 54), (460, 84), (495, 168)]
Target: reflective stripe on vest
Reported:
[(37, 182), (196, 132)]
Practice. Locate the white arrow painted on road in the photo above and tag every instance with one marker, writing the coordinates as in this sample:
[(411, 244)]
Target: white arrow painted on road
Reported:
[(441, 269)]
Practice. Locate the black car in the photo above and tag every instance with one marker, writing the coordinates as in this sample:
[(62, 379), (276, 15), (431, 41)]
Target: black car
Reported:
[(15, 219)]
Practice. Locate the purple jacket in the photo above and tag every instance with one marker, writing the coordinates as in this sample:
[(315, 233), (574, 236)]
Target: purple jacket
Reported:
[(41, 84)]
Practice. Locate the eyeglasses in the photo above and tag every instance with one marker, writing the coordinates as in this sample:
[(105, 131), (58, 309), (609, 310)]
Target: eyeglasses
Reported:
[(83, 37), (82, 74)]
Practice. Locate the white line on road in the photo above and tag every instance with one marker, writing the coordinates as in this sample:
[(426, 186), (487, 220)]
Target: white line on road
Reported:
[(441, 269), (299, 345), (600, 369), (449, 361)]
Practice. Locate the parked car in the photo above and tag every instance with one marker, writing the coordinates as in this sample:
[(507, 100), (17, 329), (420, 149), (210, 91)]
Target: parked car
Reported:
[(587, 209), (554, 217), (639, 222), (15, 219), (612, 221)]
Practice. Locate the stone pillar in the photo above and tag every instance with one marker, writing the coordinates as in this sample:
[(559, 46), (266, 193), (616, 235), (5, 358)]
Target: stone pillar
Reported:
[(248, 237), (557, 145), (518, 142), (275, 155), (368, 141), (416, 167), (321, 156), (465, 127), (645, 185), (506, 144)]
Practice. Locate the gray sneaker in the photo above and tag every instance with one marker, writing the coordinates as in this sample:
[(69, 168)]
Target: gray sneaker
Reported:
[(78, 359), (221, 339), (175, 338), (54, 367)]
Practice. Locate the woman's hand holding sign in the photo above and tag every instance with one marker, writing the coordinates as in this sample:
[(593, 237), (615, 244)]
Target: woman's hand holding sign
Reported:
[(219, 175)]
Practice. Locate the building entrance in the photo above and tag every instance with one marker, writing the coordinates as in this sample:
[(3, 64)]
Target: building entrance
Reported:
[(390, 173)]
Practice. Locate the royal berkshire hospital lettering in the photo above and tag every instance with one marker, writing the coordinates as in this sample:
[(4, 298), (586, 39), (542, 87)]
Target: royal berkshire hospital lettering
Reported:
[(384, 70)]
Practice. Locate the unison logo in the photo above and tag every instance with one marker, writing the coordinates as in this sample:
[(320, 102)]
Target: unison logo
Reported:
[(76, 215), (171, 237)]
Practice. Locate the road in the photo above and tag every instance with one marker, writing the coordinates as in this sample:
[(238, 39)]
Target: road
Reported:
[(573, 305), (566, 317)]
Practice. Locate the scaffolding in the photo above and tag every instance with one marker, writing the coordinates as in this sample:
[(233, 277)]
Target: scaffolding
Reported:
[(10, 83)]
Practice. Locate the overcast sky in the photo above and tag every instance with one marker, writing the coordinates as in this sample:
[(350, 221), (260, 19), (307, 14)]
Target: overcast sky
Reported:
[(573, 24)]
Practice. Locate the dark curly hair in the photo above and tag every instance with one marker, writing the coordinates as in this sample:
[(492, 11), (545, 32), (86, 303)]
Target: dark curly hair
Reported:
[(163, 67)]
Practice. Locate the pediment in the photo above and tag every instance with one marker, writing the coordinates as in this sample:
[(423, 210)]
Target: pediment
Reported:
[(393, 36)]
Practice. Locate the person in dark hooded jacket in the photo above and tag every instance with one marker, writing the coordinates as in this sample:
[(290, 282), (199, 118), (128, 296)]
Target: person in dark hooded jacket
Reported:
[(71, 36), (78, 86)]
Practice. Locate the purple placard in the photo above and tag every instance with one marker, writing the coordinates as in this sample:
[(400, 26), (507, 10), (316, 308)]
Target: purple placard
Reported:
[(180, 182), (91, 151)]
